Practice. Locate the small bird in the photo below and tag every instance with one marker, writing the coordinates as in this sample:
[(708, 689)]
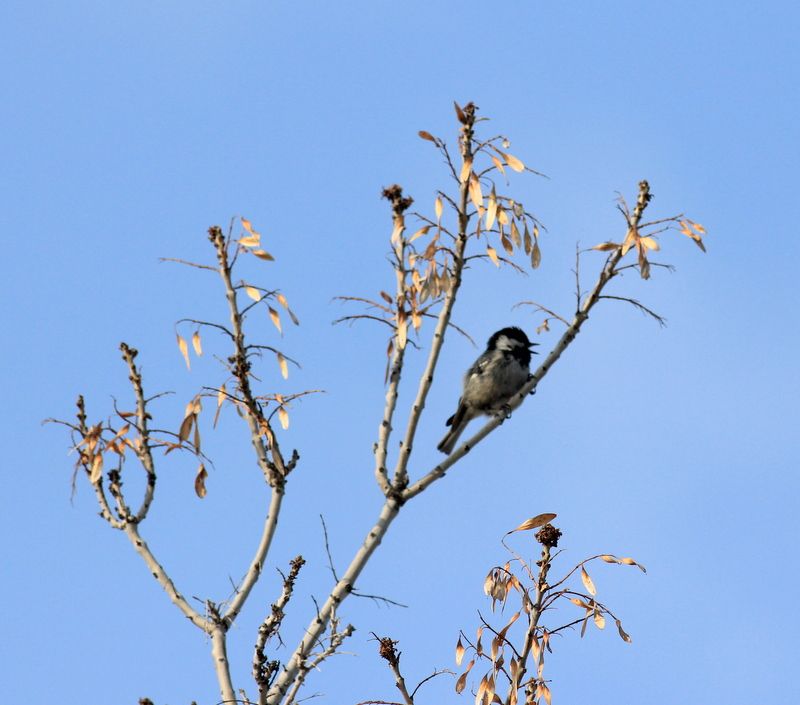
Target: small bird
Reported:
[(492, 380)]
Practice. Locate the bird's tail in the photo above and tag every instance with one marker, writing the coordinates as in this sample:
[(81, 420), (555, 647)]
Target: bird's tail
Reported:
[(457, 422)]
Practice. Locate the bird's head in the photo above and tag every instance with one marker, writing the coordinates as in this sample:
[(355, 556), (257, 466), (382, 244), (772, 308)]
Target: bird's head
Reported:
[(510, 339)]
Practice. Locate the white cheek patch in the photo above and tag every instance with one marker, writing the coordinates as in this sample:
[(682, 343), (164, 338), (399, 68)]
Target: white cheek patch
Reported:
[(506, 344)]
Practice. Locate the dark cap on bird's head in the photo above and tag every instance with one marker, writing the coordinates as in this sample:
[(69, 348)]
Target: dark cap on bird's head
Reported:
[(513, 333)]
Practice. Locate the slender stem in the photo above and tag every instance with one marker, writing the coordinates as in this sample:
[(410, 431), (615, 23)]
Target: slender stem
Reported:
[(257, 564), (385, 430), (401, 469), (158, 572), (252, 414), (400, 682), (343, 588), (142, 417), (533, 623)]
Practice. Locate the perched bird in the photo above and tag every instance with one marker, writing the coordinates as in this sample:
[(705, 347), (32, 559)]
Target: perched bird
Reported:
[(491, 381)]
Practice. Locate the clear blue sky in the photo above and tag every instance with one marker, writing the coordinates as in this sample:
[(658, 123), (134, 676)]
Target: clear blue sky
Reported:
[(128, 128)]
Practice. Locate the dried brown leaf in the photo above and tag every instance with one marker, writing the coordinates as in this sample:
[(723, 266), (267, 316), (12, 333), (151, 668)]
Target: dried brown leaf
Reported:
[(534, 522), (492, 255), (460, 113), (283, 417), (427, 136), (513, 162), (630, 561), (198, 347), (276, 319), (263, 254), (97, 469), (606, 246), (221, 396), (200, 481), (536, 255), (186, 427), (499, 165), (422, 231), (247, 225), (284, 367), (587, 582), (491, 210), (466, 170), (253, 293), (625, 637), (475, 193), (250, 240), (184, 348)]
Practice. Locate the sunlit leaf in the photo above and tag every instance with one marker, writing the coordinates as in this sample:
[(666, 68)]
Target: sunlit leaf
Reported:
[(460, 113), (606, 246), (97, 469), (608, 558), (200, 481), (263, 254), (462, 679), (492, 255), (247, 225), (587, 582), (283, 417), (513, 162), (506, 243), (499, 165), (276, 319), (284, 367), (253, 293), (475, 193), (599, 620), (515, 234), (650, 243), (630, 561), (422, 231), (491, 209), (437, 208), (460, 650), (198, 348), (221, 396), (580, 603), (466, 170), (402, 333), (250, 240), (535, 522), (184, 348), (629, 241)]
